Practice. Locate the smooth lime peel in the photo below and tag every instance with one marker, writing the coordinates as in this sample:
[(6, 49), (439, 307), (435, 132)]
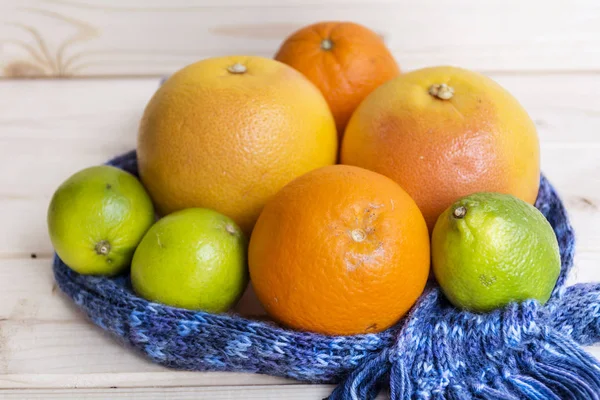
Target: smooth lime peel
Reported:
[(97, 217), (193, 259), (491, 249)]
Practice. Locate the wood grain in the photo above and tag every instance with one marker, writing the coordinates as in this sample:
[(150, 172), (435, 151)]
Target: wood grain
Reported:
[(258, 392), (85, 122), (546, 53), (161, 378), (50, 129), (57, 38), (30, 294), (574, 171)]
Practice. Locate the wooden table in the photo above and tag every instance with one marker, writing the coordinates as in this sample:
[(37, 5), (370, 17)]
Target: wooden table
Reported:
[(547, 54)]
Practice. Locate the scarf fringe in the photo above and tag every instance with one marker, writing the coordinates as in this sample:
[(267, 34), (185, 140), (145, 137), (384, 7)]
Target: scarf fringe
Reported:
[(548, 366)]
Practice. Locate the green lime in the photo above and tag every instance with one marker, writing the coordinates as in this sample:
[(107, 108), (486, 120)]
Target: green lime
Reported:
[(490, 249), (96, 219), (194, 259)]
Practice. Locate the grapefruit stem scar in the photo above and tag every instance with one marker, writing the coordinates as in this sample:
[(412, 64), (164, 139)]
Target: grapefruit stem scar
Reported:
[(441, 91), (237, 68), (242, 113), (102, 247), (458, 131), (459, 212)]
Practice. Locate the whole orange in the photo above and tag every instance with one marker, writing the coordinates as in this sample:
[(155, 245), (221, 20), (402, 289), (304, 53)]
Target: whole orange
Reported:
[(227, 133), (339, 251), (345, 60), (443, 133)]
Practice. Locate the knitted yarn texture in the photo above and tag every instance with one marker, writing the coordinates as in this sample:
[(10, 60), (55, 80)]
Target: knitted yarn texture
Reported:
[(524, 351)]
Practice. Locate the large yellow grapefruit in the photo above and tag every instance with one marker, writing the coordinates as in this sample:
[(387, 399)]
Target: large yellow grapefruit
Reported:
[(227, 133)]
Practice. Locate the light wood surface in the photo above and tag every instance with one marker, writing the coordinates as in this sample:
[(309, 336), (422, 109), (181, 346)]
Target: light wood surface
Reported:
[(547, 53), (134, 37), (258, 392), (49, 129)]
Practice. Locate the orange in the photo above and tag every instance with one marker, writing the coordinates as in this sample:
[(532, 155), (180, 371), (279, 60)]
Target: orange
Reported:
[(345, 60), (339, 251), (227, 133), (443, 133)]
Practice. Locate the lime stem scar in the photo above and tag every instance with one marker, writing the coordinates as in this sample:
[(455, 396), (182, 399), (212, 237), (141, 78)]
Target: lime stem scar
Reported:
[(102, 248), (459, 212), (230, 228)]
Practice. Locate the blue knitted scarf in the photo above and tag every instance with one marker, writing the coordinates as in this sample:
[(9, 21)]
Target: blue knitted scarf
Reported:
[(524, 351)]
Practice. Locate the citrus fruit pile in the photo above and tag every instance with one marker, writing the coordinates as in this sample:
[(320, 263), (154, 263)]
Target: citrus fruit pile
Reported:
[(329, 180)]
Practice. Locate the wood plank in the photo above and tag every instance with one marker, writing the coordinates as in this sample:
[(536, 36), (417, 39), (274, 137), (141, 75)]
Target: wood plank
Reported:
[(574, 171), (58, 347), (71, 355), (51, 354), (95, 37), (46, 343), (81, 123), (163, 378), (60, 126), (29, 294), (291, 392), (84, 122)]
